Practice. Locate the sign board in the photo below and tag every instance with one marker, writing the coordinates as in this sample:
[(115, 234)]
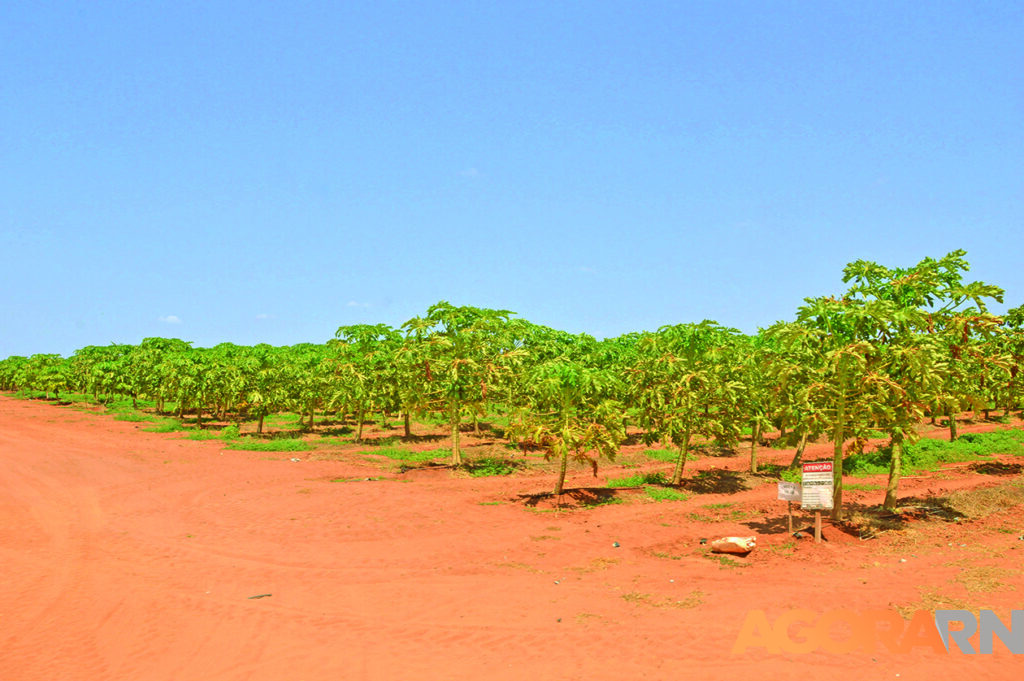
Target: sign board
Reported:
[(789, 491), (817, 483)]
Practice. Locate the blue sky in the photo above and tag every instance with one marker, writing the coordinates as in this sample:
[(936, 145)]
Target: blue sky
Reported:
[(266, 172)]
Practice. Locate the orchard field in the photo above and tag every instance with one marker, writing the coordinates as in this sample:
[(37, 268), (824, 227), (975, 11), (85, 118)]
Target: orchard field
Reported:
[(475, 496)]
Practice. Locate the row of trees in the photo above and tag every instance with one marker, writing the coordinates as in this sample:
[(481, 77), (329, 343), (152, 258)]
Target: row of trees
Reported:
[(899, 345)]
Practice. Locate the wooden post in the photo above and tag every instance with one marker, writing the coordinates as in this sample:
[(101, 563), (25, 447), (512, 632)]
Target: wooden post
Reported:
[(789, 515), (817, 527)]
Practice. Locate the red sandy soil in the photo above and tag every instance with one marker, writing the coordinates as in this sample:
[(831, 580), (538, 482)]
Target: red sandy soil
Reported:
[(135, 555)]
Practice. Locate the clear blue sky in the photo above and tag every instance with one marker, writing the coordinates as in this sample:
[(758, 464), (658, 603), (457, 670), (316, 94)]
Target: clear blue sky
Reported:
[(267, 171)]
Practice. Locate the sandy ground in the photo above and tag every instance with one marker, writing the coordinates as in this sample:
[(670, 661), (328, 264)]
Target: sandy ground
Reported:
[(135, 555)]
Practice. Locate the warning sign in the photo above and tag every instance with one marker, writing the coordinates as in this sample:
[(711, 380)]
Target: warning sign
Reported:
[(817, 485), (789, 491)]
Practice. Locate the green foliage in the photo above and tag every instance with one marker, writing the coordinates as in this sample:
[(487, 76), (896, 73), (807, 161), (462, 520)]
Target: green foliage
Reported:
[(133, 416), (490, 466), (667, 455), (791, 474), (402, 454), (165, 426), (205, 435), (569, 408), (332, 441), (666, 494), (725, 561), (275, 445), (638, 480), (929, 454), (684, 383), (864, 365)]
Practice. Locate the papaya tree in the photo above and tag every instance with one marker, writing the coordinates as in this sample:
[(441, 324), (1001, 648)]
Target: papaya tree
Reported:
[(10, 370), (789, 370), (455, 352), (836, 340), (569, 410), (365, 370), (147, 368), (1012, 347), (263, 386), (49, 373), (927, 343), (686, 384)]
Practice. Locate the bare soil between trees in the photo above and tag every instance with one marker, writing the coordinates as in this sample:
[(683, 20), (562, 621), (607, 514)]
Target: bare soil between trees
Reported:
[(134, 555)]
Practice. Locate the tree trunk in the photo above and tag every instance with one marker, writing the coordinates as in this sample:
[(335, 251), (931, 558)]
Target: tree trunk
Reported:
[(476, 425), (563, 461), (952, 427), (837, 475), (838, 438), (408, 430), (755, 435), (684, 449), (895, 469), (259, 426), (312, 416), (456, 452), (359, 427), (799, 451)]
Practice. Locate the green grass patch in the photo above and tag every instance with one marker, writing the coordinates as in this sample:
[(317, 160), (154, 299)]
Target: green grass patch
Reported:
[(862, 486), (638, 480), (929, 454), (79, 398), (331, 441), (165, 426), (133, 416), (490, 466), (402, 454), (666, 493), (275, 445), (203, 435), (668, 455), (725, 561)]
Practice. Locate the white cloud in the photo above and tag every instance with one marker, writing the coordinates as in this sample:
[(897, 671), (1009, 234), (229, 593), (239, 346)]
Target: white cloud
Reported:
[(170, 319)]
